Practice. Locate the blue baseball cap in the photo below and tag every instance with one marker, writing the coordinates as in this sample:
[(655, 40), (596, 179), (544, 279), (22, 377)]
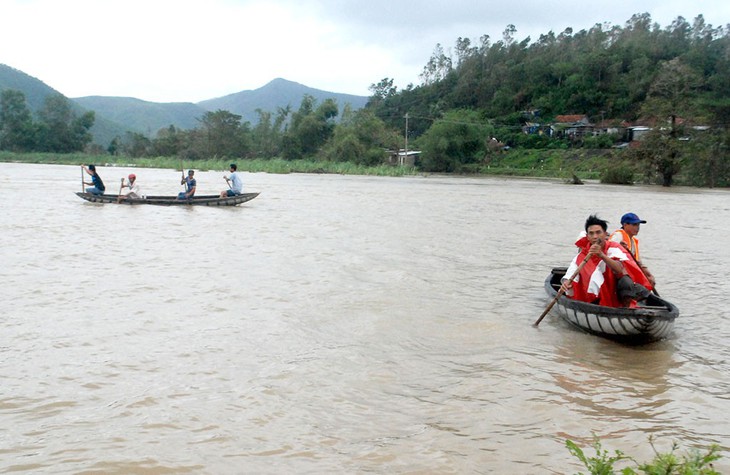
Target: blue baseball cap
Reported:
[(631, 218)]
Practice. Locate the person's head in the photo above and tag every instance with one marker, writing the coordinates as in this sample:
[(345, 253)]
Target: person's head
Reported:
[(596, 228), (631, 223), (132, 177), (92, 168), (191, 172), (233, 167)]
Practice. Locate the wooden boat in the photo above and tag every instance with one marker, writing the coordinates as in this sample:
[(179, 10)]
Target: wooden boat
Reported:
[(198, 200), (651, 321)]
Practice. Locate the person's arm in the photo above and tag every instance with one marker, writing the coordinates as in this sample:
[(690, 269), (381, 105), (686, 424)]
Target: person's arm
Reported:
[(191, 191), (647, 273), (616, 267)]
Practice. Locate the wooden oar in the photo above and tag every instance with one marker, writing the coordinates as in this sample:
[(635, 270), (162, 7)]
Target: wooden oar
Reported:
[(561, 291), (119, 196), (82, 178)]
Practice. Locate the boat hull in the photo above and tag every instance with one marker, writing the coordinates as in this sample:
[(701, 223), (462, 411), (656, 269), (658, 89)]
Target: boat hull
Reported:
[(205, 200), (652, 321)]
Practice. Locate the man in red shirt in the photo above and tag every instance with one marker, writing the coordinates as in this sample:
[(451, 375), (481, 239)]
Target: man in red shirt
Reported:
[(610, 276)]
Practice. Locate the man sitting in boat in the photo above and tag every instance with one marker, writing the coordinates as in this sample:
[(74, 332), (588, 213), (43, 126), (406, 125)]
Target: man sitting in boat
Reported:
[(135, 193), (610, 277), (626, 236), (190, 185), (235, 184)]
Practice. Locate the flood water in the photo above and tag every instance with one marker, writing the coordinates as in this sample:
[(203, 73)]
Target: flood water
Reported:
[(340, 324)]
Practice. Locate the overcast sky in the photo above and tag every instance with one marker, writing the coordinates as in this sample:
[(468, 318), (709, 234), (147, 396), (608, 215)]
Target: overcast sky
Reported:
[(191, 50)]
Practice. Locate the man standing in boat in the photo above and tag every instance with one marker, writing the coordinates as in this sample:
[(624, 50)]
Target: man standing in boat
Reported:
[(609, 276), (190, 185), (626, 236), (235, 184), (97, 186)]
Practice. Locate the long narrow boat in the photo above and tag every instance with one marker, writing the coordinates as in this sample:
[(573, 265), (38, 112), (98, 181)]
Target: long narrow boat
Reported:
[(204, 200), (653, 320)]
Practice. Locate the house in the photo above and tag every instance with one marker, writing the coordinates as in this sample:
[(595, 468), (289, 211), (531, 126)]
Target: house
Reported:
[(571, 126)]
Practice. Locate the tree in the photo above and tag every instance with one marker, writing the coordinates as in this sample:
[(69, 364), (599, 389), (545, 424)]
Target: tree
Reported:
[(438, 67), (382, 90), (17, 131), (225, 135), (167, 143), (60, 130), (670, 97), (360, 138), (137, 145), (310, 129), (660, 153), (458, 139)]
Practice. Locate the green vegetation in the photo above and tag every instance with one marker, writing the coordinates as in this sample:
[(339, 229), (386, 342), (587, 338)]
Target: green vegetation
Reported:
[(560, 106), (58, 129), (669, 463), (279, 166)]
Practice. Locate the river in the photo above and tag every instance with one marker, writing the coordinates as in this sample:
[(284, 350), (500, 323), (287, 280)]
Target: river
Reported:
[(343, 324)]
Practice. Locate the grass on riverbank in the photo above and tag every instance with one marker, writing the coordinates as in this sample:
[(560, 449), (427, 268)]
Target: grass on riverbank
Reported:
[(586, 164), (278, 166)]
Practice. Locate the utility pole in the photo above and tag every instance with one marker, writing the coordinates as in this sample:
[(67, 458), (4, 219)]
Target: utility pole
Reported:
[(405, 154)]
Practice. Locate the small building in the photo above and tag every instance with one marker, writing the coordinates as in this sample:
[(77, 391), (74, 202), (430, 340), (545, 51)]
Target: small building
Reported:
[(402, 157), (571, 126), (636, 132)]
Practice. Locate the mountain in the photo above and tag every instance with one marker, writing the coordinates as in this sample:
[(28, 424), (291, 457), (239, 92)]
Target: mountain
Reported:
[(142, 116), (149, 117), (36, 91), (115, 116), (275, 94)]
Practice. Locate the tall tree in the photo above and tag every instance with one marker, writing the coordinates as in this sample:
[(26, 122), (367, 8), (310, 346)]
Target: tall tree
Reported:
[(17, 132), (60, 130), (224, 134)]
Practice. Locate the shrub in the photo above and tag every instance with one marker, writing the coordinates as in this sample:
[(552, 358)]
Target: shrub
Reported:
[(669, 463), (618, 175)]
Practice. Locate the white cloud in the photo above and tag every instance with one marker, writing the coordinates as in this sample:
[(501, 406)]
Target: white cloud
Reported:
[(191, 50)]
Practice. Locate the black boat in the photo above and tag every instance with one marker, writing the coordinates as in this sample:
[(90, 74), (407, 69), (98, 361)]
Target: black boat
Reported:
[(652, 320), (204, 200)]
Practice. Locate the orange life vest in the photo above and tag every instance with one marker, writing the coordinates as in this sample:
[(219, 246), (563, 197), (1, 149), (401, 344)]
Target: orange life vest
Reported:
[(631, 242)]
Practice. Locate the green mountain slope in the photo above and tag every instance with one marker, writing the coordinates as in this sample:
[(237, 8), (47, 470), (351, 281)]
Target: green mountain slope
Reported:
[(36, 91), (275, 94), (143, 116), (115, 116)]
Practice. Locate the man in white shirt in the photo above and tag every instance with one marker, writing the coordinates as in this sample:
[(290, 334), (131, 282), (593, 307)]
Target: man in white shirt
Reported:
[(235, 184), (134, 191)]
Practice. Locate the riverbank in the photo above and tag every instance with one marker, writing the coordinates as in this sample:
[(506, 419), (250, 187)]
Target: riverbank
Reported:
[(584, 164)]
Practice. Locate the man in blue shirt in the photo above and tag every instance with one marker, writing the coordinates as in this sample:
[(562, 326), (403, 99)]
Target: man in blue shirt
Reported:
[(97, 186), (190, 185)]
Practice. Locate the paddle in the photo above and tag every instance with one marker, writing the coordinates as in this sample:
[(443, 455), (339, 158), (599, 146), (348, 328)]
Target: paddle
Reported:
[(561, 291), (82, 178), (119, 196)]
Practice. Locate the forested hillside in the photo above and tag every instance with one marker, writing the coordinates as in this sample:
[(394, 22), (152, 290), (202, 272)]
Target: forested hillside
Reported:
[(638, 71), (674, 80), (502, 105)]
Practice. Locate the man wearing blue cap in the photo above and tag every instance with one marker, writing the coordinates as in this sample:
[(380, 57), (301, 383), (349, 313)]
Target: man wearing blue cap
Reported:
[(626, 236)]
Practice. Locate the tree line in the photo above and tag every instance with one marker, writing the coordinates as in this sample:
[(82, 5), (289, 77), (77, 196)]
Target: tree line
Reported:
[(472, 97), (57, 127)]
